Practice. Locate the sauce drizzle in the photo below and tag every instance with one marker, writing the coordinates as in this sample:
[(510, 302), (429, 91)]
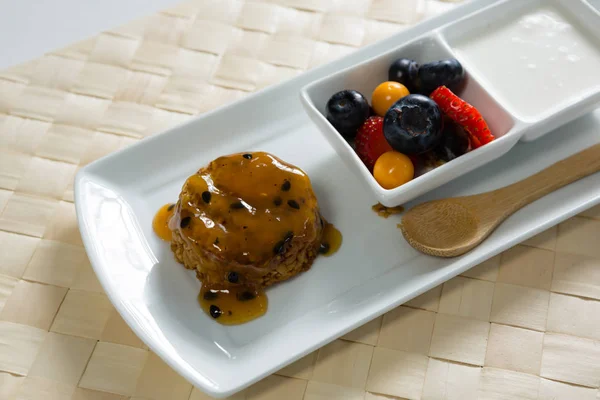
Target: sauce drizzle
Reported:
[(238, 304), (331, 241), (233, 306), (248, 220), (160, 223)]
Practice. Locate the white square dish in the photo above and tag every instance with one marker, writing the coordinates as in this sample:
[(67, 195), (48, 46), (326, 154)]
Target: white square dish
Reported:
[(484, 90), (555, 65), (374, 271)]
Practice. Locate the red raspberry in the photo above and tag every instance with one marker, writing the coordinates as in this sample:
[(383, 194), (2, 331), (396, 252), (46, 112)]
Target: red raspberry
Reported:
[(370, 142)]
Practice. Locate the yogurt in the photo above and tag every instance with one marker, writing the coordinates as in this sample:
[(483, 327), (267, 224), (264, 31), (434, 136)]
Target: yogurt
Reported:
[(534, 64)]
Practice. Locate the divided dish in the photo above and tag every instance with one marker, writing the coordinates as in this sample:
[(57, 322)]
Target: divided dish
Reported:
[(483, 43)]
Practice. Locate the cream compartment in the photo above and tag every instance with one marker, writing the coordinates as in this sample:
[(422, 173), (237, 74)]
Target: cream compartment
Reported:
[(538, 60)]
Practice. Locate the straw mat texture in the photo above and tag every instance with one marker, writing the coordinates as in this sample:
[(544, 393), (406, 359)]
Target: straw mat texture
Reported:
[(523, 325)]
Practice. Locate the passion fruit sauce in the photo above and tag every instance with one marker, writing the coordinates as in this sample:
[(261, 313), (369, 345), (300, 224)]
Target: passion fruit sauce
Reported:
[(238, 304), (385, 212), (331, 241), (241, 206), (160, 223), (233, 306)]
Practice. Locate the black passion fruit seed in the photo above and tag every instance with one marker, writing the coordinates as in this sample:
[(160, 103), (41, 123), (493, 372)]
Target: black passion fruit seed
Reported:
[(293, 204), (324, 249), (185, 222), (279, 247), (237, 205), (246, 296), (247, 156), (210, 295), (215, 311), (171, 207), (233, 277), (206, 196), (277, 201), (286, 186)]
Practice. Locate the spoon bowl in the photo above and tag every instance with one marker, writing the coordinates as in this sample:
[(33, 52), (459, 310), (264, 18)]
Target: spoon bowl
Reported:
[(441, 227), (452, 227)]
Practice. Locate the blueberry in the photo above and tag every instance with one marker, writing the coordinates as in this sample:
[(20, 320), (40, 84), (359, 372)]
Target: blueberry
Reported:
[(449, 73), (454, 142), (347, 111), (413, 125), (404, 71)]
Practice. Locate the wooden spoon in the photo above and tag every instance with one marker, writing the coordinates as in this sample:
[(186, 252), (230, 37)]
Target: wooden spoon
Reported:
[(452, 227)]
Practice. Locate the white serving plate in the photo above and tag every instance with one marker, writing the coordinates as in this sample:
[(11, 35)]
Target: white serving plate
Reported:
[(440, 43), (375, 270)]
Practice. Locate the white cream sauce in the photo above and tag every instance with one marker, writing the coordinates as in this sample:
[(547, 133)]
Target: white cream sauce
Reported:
[(534, 64)]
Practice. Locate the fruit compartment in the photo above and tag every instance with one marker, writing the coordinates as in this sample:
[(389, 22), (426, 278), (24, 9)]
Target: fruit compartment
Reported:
[(367, 75), (534, 42)]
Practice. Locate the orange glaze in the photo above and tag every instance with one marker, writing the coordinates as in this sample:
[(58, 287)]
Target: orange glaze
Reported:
[(160, 223), (239, 208), (253, 203), (331, 241), (233, 306)]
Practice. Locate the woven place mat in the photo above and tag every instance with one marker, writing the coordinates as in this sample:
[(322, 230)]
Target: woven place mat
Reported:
[(523, 325)]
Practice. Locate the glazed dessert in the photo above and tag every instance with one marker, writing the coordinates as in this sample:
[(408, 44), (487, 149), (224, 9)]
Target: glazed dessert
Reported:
[(243, 223), (247, 219), (415, 122)]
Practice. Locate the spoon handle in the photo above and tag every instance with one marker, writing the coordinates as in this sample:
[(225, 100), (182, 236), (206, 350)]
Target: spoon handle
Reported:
[(554, 177)]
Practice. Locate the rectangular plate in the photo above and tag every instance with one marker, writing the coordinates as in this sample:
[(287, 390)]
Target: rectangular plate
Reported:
[(374, 271)]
